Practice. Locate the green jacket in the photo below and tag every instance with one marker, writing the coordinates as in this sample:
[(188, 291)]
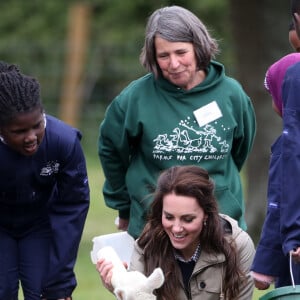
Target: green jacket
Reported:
[(206, 279), (152, 125)]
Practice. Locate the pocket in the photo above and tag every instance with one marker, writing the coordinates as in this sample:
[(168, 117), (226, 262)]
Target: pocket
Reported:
[(209, 282), (228, 204)]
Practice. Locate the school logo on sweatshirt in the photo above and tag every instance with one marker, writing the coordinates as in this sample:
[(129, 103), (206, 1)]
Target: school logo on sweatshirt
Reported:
[(51, 167)]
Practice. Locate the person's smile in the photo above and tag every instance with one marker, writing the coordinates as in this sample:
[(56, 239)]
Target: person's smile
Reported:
[(177, 62), (182, 220), (31, 148)]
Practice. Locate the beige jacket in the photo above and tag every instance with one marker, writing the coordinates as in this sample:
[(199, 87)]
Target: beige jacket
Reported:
[(206, 280)]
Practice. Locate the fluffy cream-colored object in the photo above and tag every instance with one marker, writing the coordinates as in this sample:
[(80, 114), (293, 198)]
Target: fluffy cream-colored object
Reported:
[(131, 285)]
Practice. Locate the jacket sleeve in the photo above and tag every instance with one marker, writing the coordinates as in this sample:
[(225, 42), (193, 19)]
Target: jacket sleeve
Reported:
[(246, 251), (290, 163), (269, 257), (114, 153), (68, 210), (245, 131), (137, 259)]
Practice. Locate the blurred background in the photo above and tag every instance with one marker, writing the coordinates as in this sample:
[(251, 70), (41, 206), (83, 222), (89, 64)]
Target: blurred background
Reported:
[(84, 52)]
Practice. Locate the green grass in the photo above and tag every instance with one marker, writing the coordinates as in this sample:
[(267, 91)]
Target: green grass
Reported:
[(100, 220)]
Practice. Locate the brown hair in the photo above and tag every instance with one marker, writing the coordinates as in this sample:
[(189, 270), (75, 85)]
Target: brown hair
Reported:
[(190, 181)]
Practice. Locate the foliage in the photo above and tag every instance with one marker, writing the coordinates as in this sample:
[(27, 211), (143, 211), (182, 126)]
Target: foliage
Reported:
[(34, 36), (121, 39)]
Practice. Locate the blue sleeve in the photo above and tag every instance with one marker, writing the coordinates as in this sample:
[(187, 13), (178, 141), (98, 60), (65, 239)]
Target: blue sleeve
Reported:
[(290, 164), (269, 258), (68, 211)]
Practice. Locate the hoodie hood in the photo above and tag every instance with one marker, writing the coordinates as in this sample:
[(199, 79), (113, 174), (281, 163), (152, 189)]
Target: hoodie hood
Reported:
[(275, 75), (214, 74)]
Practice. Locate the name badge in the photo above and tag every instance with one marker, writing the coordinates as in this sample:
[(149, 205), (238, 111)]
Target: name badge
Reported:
[(207, 113)]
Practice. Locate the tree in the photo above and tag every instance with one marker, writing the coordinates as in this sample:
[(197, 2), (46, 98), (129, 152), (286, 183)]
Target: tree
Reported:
[(260, 36)]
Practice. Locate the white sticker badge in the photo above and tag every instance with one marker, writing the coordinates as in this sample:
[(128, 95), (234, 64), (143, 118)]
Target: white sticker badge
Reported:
[(207, 113)]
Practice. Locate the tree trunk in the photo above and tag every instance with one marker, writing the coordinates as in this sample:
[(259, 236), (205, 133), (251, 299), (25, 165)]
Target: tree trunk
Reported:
[(260, 36)]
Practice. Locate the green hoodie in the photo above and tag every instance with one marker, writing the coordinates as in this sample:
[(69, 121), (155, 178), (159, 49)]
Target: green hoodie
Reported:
[(153, 125)]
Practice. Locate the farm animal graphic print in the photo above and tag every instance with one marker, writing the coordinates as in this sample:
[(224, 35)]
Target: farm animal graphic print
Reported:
[(188, 138)]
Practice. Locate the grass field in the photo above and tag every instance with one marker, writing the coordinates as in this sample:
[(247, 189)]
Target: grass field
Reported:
[(100, 221)]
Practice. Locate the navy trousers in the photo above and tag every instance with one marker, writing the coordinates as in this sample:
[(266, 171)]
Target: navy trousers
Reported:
[(24, 259)]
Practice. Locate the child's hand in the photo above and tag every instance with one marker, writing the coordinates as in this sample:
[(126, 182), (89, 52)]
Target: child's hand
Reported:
[(261, 281), (295, 255)]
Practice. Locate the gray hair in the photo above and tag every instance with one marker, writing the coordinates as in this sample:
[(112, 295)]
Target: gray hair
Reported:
[(177, 24)]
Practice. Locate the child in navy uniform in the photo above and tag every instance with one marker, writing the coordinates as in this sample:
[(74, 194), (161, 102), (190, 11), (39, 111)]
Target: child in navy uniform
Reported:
[(271, 262), (44, 194)]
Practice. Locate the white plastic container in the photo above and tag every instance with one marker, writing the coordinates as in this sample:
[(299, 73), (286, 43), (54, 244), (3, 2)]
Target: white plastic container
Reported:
[(122, 243)]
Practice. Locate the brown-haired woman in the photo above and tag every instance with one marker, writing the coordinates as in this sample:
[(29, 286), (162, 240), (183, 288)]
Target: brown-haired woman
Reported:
[(203, 254)]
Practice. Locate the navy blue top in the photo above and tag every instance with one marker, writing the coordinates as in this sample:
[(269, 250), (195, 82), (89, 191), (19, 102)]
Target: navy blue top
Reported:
[(290, 162), (281, 229), (50, 185), (269, 257)]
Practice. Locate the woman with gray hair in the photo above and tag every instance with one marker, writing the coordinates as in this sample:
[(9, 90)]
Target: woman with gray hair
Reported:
[(184, 111), (175, 24)]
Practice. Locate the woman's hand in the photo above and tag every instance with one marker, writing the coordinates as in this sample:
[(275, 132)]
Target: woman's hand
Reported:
[(104, 268), (122, 224)]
